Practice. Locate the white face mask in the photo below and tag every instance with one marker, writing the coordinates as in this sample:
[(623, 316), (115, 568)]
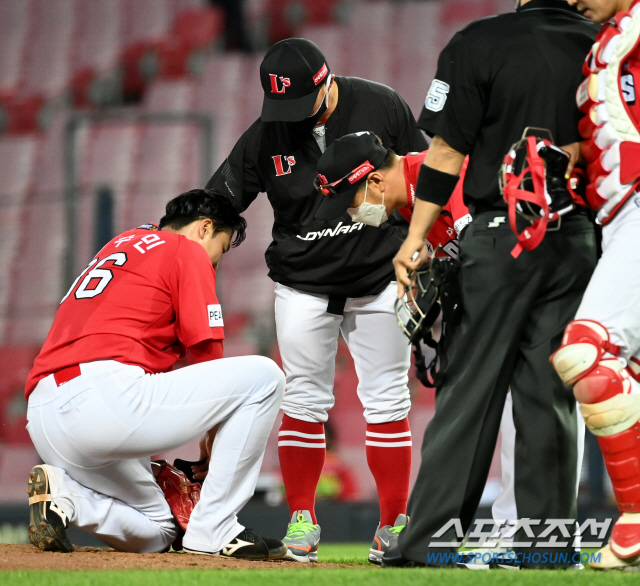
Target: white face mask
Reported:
[(325, 101), (369, 213)]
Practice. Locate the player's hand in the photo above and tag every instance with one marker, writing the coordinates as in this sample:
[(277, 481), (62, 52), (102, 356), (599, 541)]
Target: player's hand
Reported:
[(407, 261), (200, 471), (575, 156)]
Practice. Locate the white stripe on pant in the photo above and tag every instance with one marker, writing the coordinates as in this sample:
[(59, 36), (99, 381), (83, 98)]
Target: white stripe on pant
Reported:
[(101, 427)]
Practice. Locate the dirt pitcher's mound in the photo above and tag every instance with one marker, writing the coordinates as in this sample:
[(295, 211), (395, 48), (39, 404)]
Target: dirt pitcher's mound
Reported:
[(28, 557)]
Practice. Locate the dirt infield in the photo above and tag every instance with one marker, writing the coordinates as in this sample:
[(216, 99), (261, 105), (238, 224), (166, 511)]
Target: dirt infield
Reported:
[(27, 557)]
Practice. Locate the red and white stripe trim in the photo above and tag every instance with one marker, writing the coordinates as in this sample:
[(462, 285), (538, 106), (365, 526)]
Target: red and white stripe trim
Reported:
[(318, 437), (389, 436)]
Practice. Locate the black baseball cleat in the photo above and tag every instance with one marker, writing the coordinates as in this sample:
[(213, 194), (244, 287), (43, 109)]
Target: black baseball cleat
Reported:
[(394, 559), (47, 522), (249, 546)]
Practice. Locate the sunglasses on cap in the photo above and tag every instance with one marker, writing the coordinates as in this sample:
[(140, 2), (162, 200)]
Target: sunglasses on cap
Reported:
[(321, 183)]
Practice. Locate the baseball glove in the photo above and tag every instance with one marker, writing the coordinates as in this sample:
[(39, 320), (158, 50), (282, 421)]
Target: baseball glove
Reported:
[(182, 495)]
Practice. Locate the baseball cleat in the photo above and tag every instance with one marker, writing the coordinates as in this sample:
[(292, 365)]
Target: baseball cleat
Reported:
[(385, 539), (302, 538), (249, 546), (625, 536), (610, 561), (47, 522)]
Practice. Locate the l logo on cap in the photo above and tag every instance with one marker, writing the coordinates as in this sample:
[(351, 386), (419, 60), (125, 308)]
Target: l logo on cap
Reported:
[(286, 82)]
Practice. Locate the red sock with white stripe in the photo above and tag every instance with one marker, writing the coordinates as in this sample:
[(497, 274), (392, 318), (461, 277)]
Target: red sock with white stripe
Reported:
[(301, 449), (389, 459)]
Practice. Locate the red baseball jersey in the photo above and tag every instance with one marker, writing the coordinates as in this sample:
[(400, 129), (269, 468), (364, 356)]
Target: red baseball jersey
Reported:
[(455, 215), (146, 297)]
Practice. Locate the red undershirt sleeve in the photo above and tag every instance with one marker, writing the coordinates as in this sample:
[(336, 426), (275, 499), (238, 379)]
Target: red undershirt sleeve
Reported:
[(205, 351)]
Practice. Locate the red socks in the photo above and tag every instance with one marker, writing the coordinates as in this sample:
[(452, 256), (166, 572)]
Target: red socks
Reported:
[(301, 449), (389, 459)]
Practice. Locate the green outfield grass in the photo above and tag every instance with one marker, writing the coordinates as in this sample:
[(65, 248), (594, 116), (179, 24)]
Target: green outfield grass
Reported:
[(302, 575)]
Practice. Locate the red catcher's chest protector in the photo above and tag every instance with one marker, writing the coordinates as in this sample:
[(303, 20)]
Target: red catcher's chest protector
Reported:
[(611, 123)]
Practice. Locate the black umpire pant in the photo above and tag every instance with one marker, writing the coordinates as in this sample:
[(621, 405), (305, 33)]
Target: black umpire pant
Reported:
[(515, 312)]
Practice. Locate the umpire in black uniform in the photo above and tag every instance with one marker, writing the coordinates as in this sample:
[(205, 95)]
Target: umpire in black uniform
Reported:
[(495, 78)]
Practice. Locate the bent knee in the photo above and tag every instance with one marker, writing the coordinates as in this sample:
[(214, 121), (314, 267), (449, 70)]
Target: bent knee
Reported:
[(612, 416), (269, 374)]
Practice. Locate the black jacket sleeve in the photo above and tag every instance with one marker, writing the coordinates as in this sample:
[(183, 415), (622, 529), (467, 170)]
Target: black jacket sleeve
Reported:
[(237, 177)]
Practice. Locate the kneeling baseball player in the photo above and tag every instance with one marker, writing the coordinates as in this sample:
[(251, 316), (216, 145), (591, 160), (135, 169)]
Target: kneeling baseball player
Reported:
[(102, 396)]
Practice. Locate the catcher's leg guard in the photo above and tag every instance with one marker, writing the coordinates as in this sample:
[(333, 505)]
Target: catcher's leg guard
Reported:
[(622, 457), (602, 386), (583, 346), (615, 422), (633, 368)]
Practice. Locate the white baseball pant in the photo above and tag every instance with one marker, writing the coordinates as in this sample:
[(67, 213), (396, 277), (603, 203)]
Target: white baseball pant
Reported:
[(308, 342), (100, 429), (612, 297)]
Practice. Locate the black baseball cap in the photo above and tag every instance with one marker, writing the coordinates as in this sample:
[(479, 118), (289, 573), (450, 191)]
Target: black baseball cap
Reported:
[(342, 168), (291, 73)]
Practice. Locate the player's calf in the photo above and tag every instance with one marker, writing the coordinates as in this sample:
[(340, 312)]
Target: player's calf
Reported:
[(603, 387)]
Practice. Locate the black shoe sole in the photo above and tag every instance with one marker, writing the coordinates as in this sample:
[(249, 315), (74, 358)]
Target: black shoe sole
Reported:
[(274, 554), (45, 535)]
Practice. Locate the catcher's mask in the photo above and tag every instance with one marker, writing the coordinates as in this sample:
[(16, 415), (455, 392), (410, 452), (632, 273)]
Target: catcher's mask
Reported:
[(418, 310), (434, 290), (533, 184)]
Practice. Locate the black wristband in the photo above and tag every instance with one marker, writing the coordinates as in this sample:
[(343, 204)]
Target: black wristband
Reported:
[(435, 186)]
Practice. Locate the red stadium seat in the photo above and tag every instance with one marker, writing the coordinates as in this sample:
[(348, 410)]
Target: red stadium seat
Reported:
[(146, 20), (134, 81), (15, 364), (168, 59), (14, 27), (20, 116), (47, 58), (199, 28), (287, 16), (33, 305), (96, 47), (320, 11), (81, 88)]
